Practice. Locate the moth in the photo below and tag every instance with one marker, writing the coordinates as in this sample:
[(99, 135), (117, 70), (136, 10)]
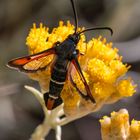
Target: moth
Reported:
[(66, 53)]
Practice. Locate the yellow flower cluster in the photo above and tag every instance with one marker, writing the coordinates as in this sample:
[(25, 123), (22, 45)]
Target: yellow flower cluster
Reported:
[(101, 65), (39, 39), (126, 88), (135, 130), (117, 127)]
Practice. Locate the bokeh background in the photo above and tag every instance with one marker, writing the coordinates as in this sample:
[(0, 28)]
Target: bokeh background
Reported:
[(20, 112)]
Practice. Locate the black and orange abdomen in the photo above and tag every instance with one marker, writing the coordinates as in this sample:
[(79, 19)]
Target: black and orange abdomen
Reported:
[(57, 81)]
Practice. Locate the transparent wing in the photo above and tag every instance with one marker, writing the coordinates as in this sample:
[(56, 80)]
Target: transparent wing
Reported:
[(32, 63), (39, 64), (79, 80)]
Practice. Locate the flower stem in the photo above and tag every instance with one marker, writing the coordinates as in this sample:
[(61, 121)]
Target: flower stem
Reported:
[(40, 132), (58, 133)]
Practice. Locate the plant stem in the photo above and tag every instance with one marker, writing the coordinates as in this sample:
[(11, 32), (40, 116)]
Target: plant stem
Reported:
[(41, 132)]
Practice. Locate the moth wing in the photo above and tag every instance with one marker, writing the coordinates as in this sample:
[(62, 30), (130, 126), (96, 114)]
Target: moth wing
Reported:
[(79, 81), (33, 63)]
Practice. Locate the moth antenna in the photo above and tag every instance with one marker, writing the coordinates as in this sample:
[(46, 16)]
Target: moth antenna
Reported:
[(75, 15), (97, 28)]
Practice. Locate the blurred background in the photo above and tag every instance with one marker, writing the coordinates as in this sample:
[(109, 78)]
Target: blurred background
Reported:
[(20, 112)]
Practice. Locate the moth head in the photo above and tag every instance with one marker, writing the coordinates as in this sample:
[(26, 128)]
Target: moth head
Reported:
[(74, 37)]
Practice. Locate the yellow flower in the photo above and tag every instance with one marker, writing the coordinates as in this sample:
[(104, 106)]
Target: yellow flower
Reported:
[(36, 40), (101, 50), (135, 130), (118, 67), (105, 123), (101, 65), (117, 127), (102, 91), (126, 88), (99, 71)]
